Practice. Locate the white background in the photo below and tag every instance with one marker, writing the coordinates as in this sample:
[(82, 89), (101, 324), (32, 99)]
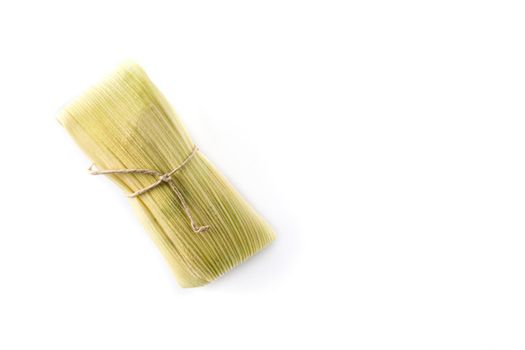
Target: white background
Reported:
[(383, 140)]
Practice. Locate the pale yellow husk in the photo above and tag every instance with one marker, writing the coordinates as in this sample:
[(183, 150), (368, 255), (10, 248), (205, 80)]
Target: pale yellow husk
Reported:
[(125, 123)]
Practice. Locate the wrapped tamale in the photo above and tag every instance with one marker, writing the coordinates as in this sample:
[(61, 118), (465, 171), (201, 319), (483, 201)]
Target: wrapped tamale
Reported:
[(200, 222)]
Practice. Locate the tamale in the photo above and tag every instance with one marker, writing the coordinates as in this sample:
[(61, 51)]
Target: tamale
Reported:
[(125, 123)]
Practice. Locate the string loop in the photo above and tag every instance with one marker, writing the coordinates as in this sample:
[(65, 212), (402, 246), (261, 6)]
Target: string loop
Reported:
[(161, 178)]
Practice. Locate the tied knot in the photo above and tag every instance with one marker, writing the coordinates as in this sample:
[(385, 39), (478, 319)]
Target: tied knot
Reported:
[(165, 178)]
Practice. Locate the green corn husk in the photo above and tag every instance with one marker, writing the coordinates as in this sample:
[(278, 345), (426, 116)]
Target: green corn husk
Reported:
[(126, 123)]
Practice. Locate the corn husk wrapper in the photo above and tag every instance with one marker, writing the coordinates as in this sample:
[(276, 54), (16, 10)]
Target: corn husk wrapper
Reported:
[(125, 123)]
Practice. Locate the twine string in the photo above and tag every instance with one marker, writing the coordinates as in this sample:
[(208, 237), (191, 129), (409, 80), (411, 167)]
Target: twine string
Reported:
[(161, 178)]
